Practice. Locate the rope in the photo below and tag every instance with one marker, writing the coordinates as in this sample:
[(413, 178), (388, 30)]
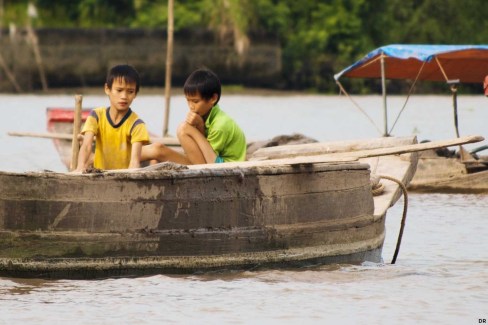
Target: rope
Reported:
[(408, 96), (357, 106), (377, 189)]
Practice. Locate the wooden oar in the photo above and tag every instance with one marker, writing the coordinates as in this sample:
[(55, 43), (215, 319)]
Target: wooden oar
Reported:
[(337, 147), (416, 147), (65, 136), (337, 157), (347, 156), (46, 135), (75, 143)]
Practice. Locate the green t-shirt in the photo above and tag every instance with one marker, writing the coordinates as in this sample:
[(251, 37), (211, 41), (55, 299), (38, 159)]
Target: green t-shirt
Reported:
[(225, 136)]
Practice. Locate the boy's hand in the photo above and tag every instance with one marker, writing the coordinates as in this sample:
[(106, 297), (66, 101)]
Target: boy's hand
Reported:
[(194, 119)]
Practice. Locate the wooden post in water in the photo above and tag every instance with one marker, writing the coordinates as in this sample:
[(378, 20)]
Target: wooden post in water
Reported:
[(75, 144), (454, 104), (169, 62), (464, 154)]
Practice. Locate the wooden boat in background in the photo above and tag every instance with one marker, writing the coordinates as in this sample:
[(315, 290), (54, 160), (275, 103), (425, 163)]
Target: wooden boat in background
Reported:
[(60, 126), (313, 207), (439, 173), (453, 64)]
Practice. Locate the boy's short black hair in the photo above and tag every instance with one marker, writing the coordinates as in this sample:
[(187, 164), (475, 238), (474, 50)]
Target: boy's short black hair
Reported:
[(126, 72), (204, 82)]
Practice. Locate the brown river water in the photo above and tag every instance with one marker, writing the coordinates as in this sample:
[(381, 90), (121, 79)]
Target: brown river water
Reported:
[(441, 274)]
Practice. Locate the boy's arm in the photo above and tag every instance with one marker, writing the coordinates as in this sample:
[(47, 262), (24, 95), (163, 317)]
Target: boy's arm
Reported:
[(135, 155), (85, 152)]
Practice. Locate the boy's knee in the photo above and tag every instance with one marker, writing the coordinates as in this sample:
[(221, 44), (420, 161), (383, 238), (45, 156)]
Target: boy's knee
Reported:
[(153, 151), (158, 146), (159, 150), (182, 129)]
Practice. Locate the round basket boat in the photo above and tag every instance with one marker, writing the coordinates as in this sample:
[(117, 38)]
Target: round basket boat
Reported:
[(177, 220)]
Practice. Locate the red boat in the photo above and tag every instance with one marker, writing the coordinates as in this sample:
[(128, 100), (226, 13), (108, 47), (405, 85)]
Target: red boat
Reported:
[(60, 123)]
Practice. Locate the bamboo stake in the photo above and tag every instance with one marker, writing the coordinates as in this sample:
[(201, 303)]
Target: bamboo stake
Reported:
[(9, 74), (75, 144), (383, 89), (32, 13), (169, 62)]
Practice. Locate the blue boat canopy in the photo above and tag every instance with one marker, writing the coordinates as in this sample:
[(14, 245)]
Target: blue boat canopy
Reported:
[(466, 63)]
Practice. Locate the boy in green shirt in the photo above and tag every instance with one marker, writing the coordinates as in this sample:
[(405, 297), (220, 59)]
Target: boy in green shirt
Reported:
[(208, 134)]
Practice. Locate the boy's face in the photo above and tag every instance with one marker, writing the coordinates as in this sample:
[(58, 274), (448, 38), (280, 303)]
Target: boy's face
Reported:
[(121, 94), (200, 106)]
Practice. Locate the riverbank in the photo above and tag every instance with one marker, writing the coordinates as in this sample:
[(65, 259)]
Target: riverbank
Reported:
[(82, 57)]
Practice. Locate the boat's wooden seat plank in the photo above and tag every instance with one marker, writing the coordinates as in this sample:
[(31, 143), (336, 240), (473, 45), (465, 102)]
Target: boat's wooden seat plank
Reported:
[(324, 151)]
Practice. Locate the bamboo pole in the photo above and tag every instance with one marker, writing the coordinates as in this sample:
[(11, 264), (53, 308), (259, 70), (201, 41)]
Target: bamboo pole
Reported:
[(75, 144), (383, 88), (9, 74), (1, 15), (169, 62), (32, 13)]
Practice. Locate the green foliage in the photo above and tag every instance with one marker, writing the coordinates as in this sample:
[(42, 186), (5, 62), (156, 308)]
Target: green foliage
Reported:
[(318, 38), (323, 36), (270, 16), (187, 14), (15, 12), (105, 13), (150, 14)]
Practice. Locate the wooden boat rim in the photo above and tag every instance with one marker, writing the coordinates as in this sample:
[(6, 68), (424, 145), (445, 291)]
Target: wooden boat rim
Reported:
[(176, 171)]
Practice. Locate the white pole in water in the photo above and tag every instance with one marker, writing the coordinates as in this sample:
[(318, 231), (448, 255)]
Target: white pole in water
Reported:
[(169, 61), (383, 88)]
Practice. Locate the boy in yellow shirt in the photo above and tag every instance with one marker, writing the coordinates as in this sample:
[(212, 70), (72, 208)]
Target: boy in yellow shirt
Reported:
[(120, 134)]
